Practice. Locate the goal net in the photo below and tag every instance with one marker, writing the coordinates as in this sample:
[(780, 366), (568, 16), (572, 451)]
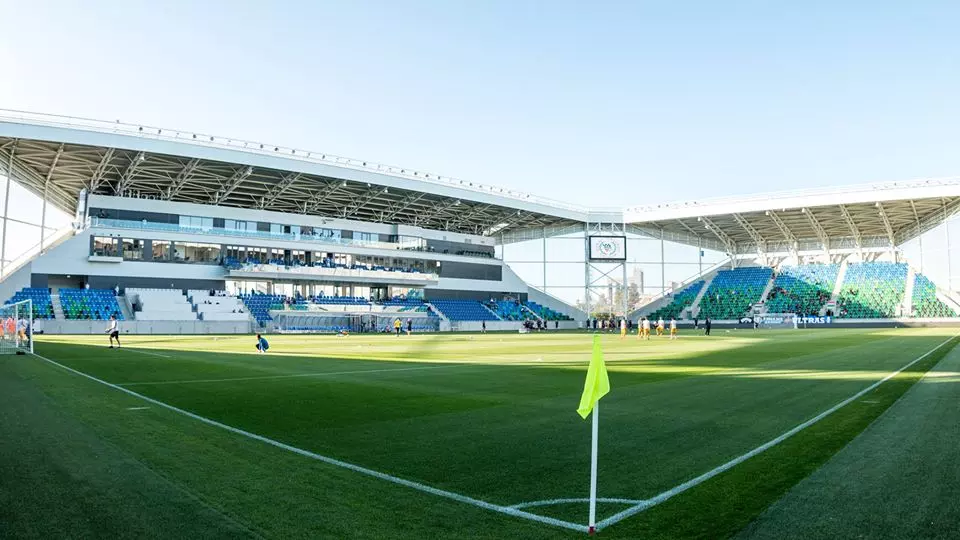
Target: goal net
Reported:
[(16, 327), (294, 322)]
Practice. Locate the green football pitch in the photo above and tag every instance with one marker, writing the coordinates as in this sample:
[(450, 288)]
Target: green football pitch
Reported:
[(432, 436)]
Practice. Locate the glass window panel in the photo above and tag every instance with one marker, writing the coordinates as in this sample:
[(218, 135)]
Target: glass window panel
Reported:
[(105, 246), (161, 250), (132, 249)]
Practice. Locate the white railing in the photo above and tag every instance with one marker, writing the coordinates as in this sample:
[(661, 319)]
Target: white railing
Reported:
[(33, 251), (153, 132), (340, 273)]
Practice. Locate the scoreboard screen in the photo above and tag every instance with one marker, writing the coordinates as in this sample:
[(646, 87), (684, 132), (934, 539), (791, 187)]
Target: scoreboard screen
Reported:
[(608, 248)]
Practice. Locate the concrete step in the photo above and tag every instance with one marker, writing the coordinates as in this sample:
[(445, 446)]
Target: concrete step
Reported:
[(57, 306), (906, 305)]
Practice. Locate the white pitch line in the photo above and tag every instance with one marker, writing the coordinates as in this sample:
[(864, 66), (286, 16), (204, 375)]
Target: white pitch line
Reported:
[(514, 512), (144, 352), (641, 506), (137, 408), (553, 502), (294, 375)]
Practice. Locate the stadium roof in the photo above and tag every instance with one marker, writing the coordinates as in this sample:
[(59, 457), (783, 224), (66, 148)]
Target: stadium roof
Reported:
[(64, 155), (61, 156), (850, 217)]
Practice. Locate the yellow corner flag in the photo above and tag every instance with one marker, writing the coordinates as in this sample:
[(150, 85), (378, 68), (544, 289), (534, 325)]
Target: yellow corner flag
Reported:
[(597, 384)]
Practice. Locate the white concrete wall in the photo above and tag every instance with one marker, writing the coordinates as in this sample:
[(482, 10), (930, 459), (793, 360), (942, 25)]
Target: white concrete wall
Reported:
[(70, 258), (14, 282), (147, 327)]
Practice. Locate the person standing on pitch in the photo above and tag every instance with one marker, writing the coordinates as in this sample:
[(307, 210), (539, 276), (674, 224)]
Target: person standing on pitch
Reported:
[(623, 328), (114, 331), (673, 328), (660, 326), (397, 325), (483, 327), (706, 326), (409, 326), (646, 328)]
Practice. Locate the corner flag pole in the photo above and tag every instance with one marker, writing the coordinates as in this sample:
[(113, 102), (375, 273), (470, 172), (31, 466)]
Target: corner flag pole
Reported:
[(593, 468), (595, 387)]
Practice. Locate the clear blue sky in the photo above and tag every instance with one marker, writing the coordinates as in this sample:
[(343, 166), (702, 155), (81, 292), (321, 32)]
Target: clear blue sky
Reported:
[(595, 103)]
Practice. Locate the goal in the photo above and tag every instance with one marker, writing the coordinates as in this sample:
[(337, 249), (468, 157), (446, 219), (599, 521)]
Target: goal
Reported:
[(16, 327)]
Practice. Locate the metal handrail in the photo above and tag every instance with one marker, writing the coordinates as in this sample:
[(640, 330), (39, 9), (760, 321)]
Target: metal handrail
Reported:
[(153, 132)]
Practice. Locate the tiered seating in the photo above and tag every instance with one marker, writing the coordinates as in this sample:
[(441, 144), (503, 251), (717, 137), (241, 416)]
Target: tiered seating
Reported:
[(802, 289), (340, 300), (89, 304), (925, 301), (261, 304), (872, 290), (42, 303), (464, 310), (219, 308), (681, 301), (403, 302), (510, 310), (546, 313), (161, 305), (732, 292)]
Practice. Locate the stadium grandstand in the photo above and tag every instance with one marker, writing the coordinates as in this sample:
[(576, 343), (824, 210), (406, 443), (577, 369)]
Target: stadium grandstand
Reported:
[(178, 232)]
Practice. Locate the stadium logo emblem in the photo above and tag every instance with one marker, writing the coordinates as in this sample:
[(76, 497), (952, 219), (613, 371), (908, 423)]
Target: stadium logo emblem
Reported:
[(608, 248)]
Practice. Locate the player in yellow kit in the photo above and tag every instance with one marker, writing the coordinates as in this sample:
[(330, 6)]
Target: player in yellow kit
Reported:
[(660, 326), (623, 328), (673, 328)]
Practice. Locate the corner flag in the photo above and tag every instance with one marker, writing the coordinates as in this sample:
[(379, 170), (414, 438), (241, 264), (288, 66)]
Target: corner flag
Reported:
[(597, 384)]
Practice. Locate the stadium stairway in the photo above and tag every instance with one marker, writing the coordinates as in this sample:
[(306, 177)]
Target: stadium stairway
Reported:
[(532, 313), (906, 307), (695, 306), (766, 291), (839, 286), (125, 310), (439, 313), (57, 306)]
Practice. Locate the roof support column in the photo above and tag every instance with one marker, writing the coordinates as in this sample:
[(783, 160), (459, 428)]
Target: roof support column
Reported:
[(916, 218), (46, 185), (946, 225), (787, 234), (755, 236), (6, 207), (821, 233), (888, 227), (857, 237)]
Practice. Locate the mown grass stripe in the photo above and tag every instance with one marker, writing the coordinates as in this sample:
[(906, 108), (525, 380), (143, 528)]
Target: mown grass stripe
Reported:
[(666, 495), (514, 512)]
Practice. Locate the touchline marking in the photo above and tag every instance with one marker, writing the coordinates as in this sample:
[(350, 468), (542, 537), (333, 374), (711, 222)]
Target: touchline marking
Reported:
[(295, 375), (144, 352), (515, 512), (641, 506), (137, 408), (553, 502)]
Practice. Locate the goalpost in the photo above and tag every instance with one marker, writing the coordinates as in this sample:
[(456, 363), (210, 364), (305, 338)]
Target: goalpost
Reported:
[(16, 327)]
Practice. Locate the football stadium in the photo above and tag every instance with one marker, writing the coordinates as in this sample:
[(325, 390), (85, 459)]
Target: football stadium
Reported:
[(214, 337)]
